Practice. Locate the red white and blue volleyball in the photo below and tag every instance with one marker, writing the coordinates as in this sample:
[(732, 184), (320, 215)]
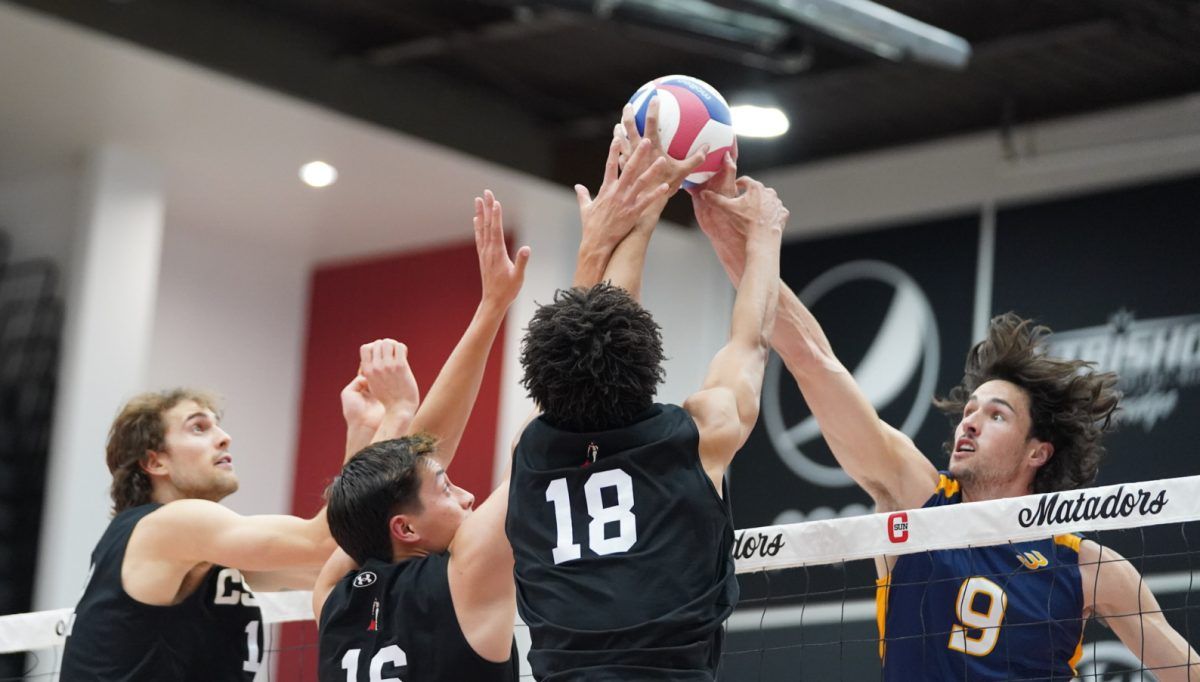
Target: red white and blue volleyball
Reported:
[(691, 113)]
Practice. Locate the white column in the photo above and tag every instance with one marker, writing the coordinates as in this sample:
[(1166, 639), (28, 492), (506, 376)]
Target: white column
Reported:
[(111, 288), (549, 224)]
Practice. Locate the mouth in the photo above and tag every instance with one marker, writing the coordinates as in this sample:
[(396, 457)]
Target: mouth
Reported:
[(964, 447), (225, 461)]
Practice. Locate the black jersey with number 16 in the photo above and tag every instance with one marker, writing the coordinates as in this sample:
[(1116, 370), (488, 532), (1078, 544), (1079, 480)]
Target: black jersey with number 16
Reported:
[(397, 621), (623, 551)]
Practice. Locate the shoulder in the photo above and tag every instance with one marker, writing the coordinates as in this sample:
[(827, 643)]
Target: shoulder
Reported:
[(1071, 542), (714, 411), (188, 512), (947, 490)]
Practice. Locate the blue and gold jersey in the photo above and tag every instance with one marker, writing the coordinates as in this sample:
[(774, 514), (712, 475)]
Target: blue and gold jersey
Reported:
[(1006, 612)]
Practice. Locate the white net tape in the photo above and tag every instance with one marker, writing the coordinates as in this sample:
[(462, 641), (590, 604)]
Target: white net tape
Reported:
[(836, 541)]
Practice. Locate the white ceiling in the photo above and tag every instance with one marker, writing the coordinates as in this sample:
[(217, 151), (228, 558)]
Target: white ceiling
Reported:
[(230, 151)]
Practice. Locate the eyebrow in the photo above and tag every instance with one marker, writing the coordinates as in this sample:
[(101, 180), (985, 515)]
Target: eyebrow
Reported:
[(194, 415), (1002, 401)]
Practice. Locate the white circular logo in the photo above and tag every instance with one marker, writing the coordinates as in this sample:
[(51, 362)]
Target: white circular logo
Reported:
[(906, 342), (363, 579)]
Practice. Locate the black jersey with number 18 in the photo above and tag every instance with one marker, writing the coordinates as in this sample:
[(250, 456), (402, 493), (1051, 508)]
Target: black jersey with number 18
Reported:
[(623, 551)]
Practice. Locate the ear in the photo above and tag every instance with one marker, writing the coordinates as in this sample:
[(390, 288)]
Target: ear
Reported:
[(154, 463), (400, 528), (1042, 452)]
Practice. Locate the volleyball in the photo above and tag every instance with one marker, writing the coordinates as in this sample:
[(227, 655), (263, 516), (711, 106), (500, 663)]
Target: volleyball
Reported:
[(691, 113)]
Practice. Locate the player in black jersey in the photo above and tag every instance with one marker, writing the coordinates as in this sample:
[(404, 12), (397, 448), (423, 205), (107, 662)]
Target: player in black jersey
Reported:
[(421, 589), (167, 597), (1027, 423), (618, 515)]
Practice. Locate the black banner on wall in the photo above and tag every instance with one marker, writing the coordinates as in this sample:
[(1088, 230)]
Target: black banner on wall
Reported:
[(1117, 277), (896, 305)]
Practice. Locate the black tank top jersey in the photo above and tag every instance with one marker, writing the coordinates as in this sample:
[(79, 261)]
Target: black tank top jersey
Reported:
[(396, 621), (214, 634), (624, 564)]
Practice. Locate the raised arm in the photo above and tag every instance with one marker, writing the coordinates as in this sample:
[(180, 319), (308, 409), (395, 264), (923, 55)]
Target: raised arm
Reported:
[(450, 400), (881, 459), (481, 579), (216, 534), (628, 261), (338, 565), (390, 395), (1117, 593), (726, 408), (623, 196)]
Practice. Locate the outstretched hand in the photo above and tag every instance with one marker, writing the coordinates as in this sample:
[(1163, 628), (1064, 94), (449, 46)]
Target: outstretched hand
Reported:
[(384, 365), (729, 212), (624, 194), (673, 171), (360, 408), (502, 277)]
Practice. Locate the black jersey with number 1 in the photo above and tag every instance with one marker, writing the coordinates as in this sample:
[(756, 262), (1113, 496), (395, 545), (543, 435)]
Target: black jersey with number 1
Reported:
[(397, 622), (213, 635), (623, 551)]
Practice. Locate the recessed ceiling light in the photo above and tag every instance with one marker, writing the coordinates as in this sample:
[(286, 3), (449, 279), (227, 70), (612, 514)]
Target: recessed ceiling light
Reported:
[(318, 174), (754, 121)]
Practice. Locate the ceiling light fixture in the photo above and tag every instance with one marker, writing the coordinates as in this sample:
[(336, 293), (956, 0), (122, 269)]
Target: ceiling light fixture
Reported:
[(755, 121), (318, 174)]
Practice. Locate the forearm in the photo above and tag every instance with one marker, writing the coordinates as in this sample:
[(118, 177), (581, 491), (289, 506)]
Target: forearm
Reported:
[(397, 420), (358, 436), (317, 533), (757, 295), (1163, 650), (629, 261), (799, 339), (591, 262), (448, 405)]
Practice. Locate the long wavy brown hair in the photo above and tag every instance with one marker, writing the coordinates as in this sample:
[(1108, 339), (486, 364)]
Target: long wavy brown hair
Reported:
[(138, 429), (1070, 403)]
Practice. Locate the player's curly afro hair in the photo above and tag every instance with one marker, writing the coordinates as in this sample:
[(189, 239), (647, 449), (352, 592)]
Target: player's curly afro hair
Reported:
[(1071, 404), (592, 358)]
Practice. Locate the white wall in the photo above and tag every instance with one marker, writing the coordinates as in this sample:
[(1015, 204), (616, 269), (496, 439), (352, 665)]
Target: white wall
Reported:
[(109, 299), (230, 318)]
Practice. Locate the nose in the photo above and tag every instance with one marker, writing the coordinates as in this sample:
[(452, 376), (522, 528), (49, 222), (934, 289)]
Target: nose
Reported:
[(223, 439), (970, 426), (468, 500)]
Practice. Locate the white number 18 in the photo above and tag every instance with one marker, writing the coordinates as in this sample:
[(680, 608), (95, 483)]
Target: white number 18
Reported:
[(620, 513)]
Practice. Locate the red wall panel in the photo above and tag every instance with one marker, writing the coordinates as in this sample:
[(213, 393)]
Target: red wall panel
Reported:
[(423, 299)]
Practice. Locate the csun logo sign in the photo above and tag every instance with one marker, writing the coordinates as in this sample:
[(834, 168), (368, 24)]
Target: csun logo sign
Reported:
[(897, 525)]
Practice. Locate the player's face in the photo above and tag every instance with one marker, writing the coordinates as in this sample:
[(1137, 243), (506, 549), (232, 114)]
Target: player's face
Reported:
[(444, 507), (197, 453), (992, 442)]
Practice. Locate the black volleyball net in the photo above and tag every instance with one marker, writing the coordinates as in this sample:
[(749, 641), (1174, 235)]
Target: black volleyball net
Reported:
[(811, 595)]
